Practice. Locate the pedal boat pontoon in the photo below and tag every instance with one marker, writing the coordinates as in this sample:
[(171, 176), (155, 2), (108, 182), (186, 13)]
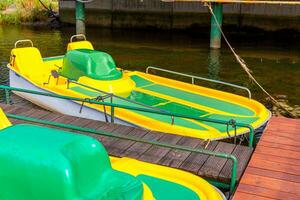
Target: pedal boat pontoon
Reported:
[(42, 163), (89, 74)]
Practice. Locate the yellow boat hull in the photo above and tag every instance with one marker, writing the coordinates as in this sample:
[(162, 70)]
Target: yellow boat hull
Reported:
[(147, 90)]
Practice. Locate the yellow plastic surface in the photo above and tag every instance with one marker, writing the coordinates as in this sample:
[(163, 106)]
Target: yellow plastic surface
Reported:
[(4, 122), (80, 45), (27, 60), (121, 87), (134, 167)]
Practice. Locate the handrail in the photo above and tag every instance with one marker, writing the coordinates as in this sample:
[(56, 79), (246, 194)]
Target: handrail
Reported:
[(233, 158), (200, 78), (22, 41), (76, 36), (113, 105)]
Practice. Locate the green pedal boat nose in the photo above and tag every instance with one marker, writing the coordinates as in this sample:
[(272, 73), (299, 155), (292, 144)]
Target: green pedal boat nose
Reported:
[(43, 163)]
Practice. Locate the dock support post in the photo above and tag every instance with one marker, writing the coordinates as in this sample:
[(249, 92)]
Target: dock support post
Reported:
[(80, 18), (215, 33)]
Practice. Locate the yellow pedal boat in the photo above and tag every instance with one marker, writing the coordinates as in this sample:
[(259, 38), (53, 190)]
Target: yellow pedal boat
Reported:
[(89, 74), (42, 163)]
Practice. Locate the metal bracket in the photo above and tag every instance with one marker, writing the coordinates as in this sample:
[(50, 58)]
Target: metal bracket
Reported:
[(231, 123)]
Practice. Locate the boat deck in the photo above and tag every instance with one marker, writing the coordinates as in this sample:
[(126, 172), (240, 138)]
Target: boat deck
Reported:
[(208, 167), (274, 169)]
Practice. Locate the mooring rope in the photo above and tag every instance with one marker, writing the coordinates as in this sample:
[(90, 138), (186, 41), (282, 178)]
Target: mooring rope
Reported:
[(243, 64)]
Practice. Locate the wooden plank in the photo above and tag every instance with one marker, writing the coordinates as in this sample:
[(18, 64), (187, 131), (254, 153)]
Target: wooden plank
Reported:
[(64, 119), (27, 113), (275, 166), (17, 111), (138, 148), (38, 114), (271, 183), (6, 107), (284, 132), (267, 193), (106, 141), (281, 140), (175, 158), (287, 121), (279, 146), (81, 122), (155, 153), (213, 166), (93, 124), (50, 116), (283, 127), (120, 146), (243, 154), (273, 174), (278, 159), (115, 145), (247, 196), (276, 152), (196, 160)]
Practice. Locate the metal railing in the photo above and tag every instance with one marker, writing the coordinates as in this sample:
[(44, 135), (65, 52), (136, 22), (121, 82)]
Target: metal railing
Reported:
[(114, 105), (199, 78), (230, 186), (233, 159), (119, 97)]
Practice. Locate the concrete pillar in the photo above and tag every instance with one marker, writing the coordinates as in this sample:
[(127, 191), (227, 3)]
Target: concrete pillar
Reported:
[(80, 18), (215, 33)]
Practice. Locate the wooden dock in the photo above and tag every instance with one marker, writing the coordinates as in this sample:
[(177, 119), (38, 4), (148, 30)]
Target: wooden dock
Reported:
[(209, 167), (274, 169)]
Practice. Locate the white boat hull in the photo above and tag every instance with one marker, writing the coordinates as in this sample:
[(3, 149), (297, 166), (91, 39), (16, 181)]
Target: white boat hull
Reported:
[(58, 105)]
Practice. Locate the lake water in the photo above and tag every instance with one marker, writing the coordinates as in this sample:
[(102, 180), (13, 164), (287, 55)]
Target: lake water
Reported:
[(274, 58)]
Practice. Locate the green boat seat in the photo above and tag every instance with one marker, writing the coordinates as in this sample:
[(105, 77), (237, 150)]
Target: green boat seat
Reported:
[(90, 63), (42, 163)]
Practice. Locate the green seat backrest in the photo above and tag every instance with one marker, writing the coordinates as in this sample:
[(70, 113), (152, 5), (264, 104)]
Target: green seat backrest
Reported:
[(43, 163), (93, 64)]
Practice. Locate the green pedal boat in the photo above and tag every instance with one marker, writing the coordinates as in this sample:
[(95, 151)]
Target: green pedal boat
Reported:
[(89, 74), (39, 163)]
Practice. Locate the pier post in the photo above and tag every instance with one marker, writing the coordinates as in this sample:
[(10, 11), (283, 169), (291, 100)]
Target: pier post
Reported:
[(80, 18), (215, 33)]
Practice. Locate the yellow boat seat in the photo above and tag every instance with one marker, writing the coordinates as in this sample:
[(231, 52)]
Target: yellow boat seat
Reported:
[(28, 61), (80, 45)]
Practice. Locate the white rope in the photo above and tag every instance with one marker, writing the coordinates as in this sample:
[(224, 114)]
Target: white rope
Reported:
[(244, 65)]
